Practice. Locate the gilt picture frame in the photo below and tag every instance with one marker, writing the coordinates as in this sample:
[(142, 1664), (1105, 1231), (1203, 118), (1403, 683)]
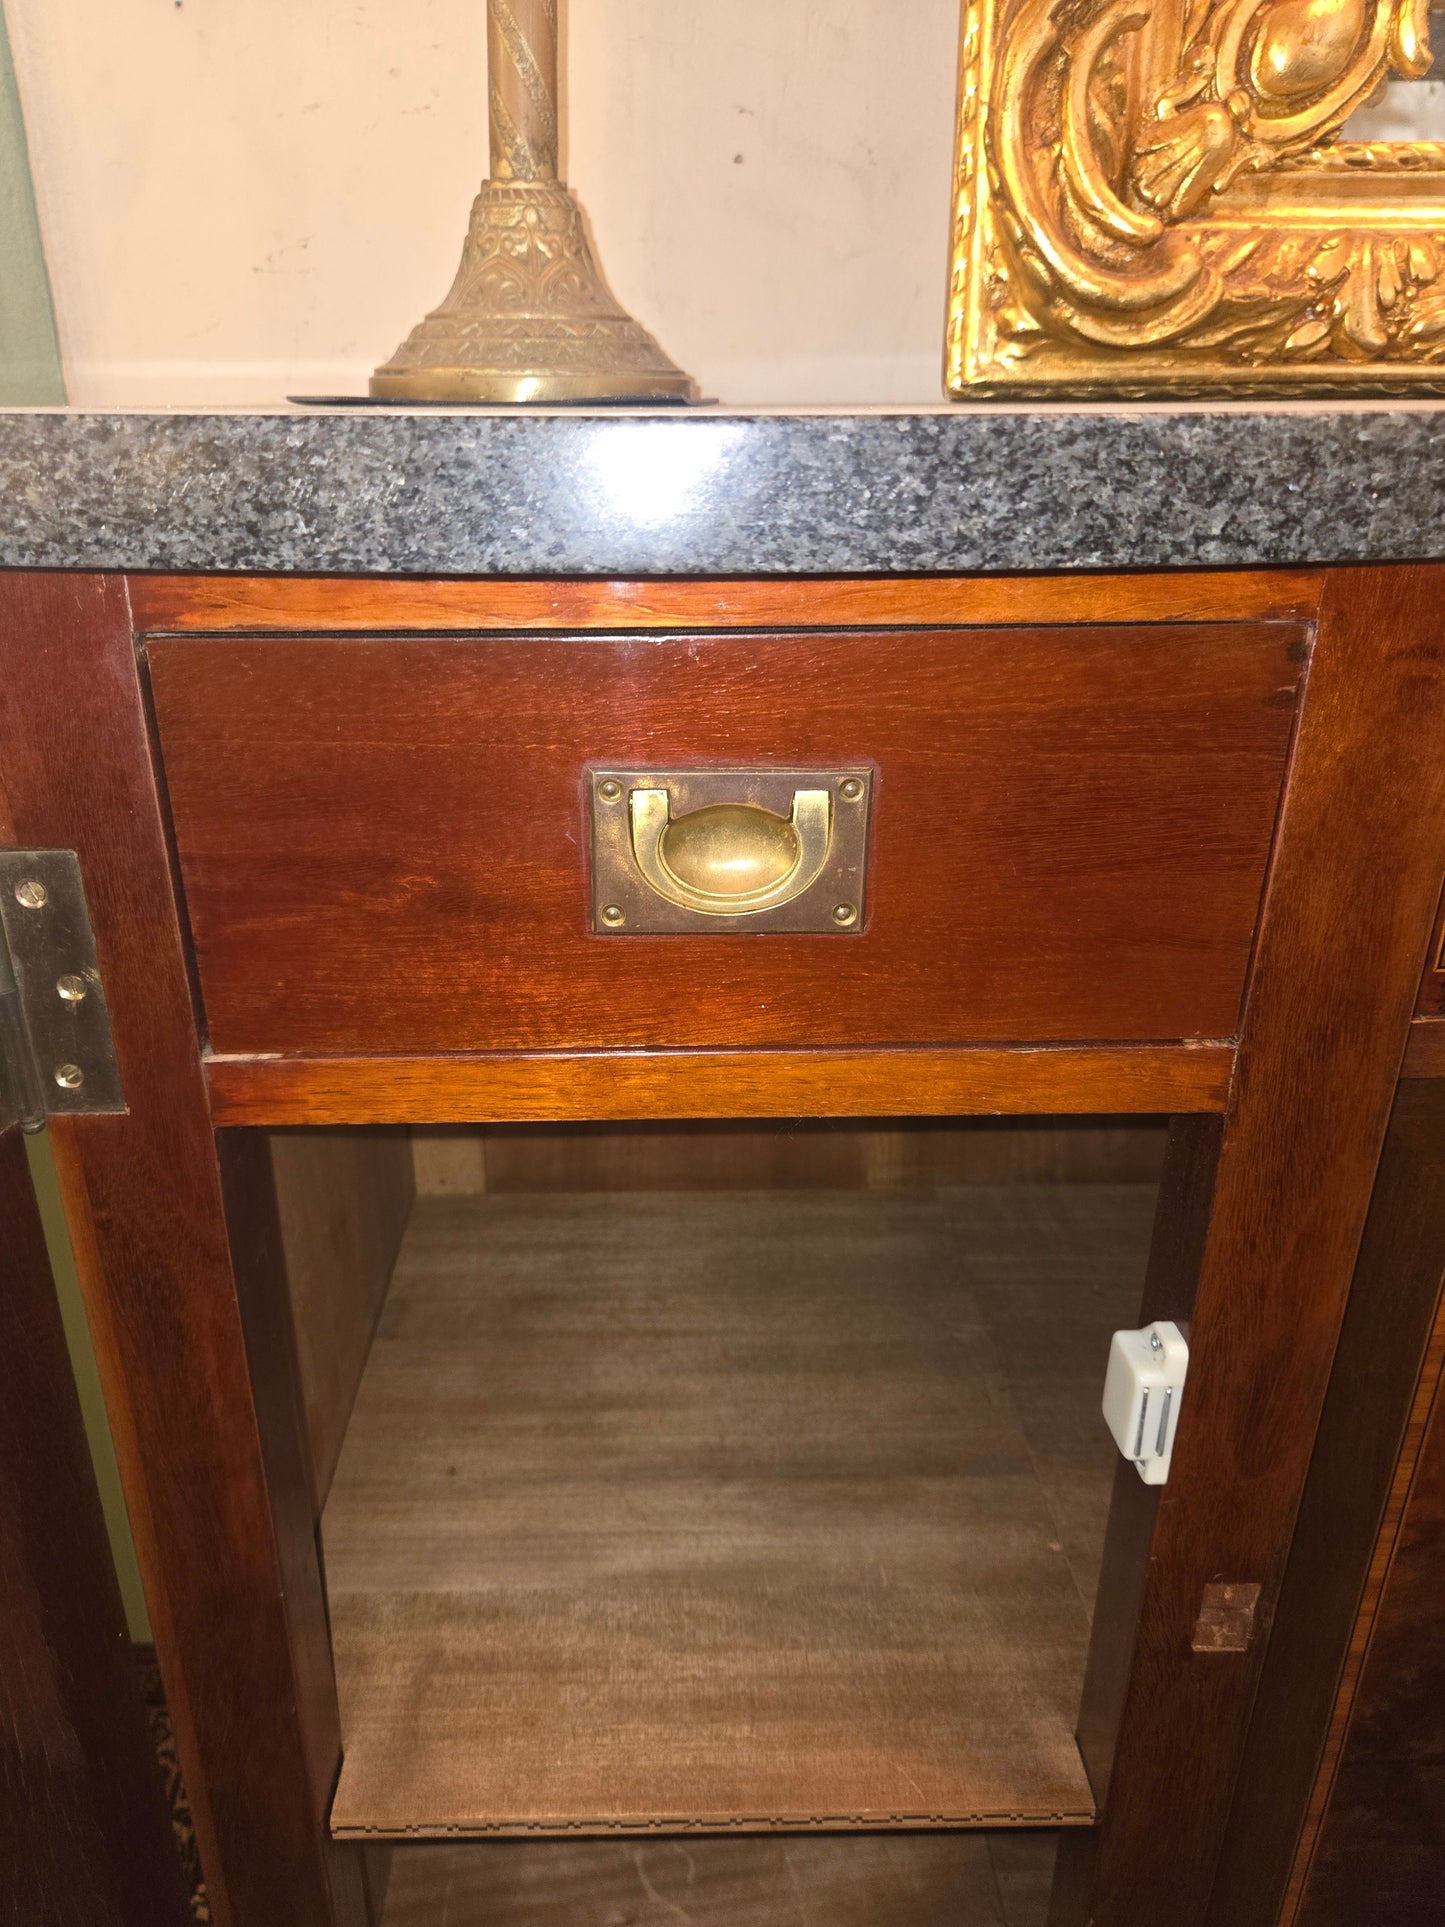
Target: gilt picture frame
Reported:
[(1152, 198)]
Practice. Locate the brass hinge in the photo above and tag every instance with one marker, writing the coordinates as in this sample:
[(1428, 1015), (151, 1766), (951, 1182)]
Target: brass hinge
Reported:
[(56, 1054)]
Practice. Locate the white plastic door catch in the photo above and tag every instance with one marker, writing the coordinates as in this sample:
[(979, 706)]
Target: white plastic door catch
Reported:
[(1142, 1389)]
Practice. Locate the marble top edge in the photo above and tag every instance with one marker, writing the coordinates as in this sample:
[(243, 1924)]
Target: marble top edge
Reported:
[(966, 489)]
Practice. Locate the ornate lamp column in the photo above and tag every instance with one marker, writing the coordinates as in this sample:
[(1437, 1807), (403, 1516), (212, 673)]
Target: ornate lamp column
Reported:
[(529, 316)]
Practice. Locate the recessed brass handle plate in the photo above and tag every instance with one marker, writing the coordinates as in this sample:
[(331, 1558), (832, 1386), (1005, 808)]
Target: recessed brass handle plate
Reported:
[(729, 850)]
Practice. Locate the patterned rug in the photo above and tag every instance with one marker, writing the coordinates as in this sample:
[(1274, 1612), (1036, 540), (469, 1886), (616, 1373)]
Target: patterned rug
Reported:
[(164, 1740)]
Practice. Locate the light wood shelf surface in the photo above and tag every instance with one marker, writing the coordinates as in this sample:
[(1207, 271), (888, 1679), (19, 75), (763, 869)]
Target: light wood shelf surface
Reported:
[(712, 1512)]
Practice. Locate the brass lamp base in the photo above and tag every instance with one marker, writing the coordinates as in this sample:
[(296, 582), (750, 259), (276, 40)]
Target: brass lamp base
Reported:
[(529, 317)]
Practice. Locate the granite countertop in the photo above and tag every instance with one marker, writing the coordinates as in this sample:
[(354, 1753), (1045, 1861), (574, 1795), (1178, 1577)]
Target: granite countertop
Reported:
[(718, 492)]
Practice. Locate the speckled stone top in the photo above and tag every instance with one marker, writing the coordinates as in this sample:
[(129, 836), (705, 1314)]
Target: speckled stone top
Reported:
[(707, 492)]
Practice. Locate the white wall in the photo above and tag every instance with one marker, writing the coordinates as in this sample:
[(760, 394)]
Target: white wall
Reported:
[(1406, 110), (247, 198), (243, 199)]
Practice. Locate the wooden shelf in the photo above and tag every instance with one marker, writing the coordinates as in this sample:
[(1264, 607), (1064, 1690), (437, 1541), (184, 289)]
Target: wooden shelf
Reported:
[(905, 1879), (723, 1512)]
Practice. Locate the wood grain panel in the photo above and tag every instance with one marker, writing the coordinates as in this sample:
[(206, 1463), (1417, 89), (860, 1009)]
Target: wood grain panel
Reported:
[(806, 1154), (708, 1512), (343, 1199), (384, 842), (1380, 1851), (85, 1838), (1365, 1434), (261, 603), (717, 1084), (899, 1880), (218, 1495), (1382, 1857), (449, 1160), (1352, 890)]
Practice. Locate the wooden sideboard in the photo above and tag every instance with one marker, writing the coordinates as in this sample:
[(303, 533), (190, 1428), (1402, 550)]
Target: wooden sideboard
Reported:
[(1165, 845)]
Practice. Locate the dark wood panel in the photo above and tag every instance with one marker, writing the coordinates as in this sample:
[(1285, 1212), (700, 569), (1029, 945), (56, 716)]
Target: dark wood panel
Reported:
[(85, 1838), (1375, 1847), (714, 1084), (1352, 890), (1399, 1708), (1425, 1052), (228, 1555), (384, 842), (877, 1880), (1379, 1853), (258, 604), (1387, 1324), (1381, 1857), (343, 1198)]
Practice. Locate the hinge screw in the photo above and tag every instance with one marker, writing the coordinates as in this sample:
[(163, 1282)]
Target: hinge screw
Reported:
[(32, 893), (69, 1077), (72, 987)]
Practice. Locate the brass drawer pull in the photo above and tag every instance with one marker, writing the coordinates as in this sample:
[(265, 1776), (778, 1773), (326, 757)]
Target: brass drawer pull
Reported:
[(744, 850), (731, 859)]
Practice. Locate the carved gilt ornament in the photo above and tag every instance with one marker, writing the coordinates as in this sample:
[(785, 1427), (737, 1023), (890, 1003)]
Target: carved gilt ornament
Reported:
[(1152, 197)]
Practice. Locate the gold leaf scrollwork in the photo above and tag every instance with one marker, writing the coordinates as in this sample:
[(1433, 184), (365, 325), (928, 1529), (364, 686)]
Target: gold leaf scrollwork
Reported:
[(1154, 191)]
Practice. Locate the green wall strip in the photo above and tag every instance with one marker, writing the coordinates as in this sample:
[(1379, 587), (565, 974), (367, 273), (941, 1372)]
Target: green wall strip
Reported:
[(87, 1383), (30, 372), (31, 376)]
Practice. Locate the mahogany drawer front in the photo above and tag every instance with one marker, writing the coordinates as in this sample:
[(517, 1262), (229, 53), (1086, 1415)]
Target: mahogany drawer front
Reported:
[(384, 841)]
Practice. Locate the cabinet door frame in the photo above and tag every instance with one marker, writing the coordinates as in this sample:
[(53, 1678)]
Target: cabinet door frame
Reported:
[(84, 1832), (1369, 1448)]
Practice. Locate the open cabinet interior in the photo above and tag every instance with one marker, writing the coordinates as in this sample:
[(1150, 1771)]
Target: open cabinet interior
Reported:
[(712, 1515)]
